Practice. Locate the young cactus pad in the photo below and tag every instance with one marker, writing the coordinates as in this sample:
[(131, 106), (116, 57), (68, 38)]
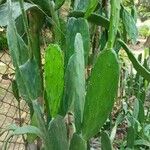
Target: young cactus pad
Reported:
[(101, 92), (54, 77)]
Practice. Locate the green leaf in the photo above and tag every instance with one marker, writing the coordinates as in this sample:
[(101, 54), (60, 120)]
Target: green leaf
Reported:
[(147, 131), (56, 29), (78, 81), (63, 28), (68, 97), (16, 11), (114, 22), (42, 5), (77, 143), (42, 125), (27, 129), (101, 92), (114, 129), (130, 137), (141, 115), (105, 142), (31, 76), (19, 54), (136, 109), (81, 4), (54, 77), (58, 134), (91, 7), (17, 48), (74, 94), (70, 37), (93, 18), (75, 26), (31, 137), (129, 23), (134, 12), (142, 142), (103, 40), (59, 3)]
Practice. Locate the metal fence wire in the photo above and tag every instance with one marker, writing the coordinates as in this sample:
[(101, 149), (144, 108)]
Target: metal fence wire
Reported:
[(9, 110)]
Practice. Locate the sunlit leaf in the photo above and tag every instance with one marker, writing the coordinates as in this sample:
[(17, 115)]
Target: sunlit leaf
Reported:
[(54, 77)]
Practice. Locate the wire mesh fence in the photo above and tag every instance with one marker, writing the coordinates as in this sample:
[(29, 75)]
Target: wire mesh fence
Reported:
[(9, 109)]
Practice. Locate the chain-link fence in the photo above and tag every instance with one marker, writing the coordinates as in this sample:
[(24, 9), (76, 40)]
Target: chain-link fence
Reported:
[(9, 108)]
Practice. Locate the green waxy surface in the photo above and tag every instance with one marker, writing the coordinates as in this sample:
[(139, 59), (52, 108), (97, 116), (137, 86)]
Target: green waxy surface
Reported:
[(77, 143), (75, 26), (54, 77), (74, 93), (27, 70), (101, 92), (130, 24), (105, 141), (31, 76), (58, 3), (91, 7), (81, 4), (58, 134)]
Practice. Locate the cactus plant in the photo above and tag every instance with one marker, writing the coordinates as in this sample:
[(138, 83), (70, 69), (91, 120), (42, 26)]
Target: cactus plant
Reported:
[(76, 107)]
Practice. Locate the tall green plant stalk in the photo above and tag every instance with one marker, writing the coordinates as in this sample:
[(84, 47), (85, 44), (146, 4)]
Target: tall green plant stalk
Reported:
[(35, 25), (32, 28), (114, 20), (55, 22)]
